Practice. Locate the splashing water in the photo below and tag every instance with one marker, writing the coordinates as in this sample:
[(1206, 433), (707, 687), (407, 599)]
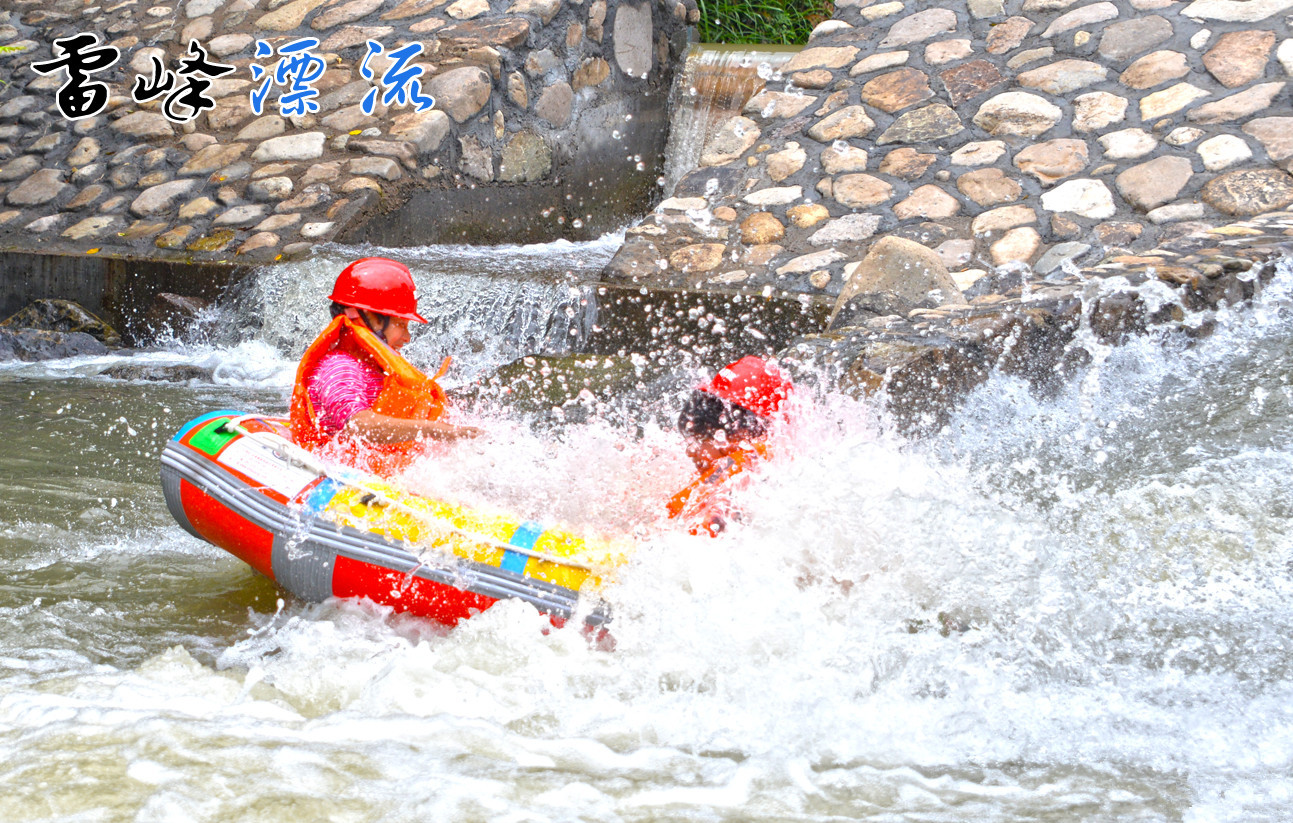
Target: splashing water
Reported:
[(1058, 608)]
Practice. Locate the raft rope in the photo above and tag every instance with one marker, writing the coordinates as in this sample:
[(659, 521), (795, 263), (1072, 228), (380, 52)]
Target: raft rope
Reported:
[(293, 454)]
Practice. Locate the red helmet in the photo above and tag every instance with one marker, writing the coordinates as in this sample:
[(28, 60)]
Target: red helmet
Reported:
[(752, 383), (380, 285)]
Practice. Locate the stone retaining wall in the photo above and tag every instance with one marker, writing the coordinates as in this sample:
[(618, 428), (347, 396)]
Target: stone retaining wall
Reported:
[(540, 97), (993, 132)]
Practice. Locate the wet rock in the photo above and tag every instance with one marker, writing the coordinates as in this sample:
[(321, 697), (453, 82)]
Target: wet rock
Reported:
[(989, 187), (1236, 106), (761, 227), (896, 90), (842, 157), (462, 92), (969, 80), (1056, 256), (1063, 76), (1168, 101), (53, 315), (1176, 213), (263, 128), (1155, 68), (860, 191), (1239, 57), (1018, 113), (807, 215), (92, 227), (806, 263), (32, 345), (1053, 160), (1124, 40), (876, 62), (698, 257), (821, 57), (928, 201), (1017, 245), (947, 51), (590, 73), (1275, 134), (20, 167), (294, 147), (1007, 35), (174, 238), (775, 196), (1236, 11), (289, 16), (41, 187), (526, 158), (1150, 185), (979, 153), (241, 216), (919, 27), (214, 156), (1128, 144), (270, 188), (933, 122), (1097, 110), (772, 105), (902, 273), (152, 373), (851, 121), (144, 125), (1249, 191), (171, 314), (87, 196), (851, 228), (1084, 16), (1086, 198), (84, 152), (783, 164), (157, 199), (633, 35), (733, 139), (425, 130), (906, 163), (554, 104), (1223, 151)]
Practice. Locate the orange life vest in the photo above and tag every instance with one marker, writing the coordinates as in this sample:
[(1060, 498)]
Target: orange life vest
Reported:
[(700, 504), (406, 392)]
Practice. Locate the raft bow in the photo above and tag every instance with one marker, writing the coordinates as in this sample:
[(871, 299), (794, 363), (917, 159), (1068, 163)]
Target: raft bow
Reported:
[(238, 482)]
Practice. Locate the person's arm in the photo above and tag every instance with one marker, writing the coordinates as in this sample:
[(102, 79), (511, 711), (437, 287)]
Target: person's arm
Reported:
[(381, 428)]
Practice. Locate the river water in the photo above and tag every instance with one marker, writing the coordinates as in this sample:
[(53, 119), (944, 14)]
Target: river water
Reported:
[(1070, 608)]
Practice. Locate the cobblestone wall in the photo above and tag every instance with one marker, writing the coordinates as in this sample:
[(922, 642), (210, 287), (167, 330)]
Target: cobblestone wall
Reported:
[(533, 99)]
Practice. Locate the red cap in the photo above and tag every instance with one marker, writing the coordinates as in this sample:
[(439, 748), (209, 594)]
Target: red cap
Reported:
[(752, 383), (380, 285)]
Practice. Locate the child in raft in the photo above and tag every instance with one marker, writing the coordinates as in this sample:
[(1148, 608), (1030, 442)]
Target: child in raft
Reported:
[(726, 422), (354, 392)]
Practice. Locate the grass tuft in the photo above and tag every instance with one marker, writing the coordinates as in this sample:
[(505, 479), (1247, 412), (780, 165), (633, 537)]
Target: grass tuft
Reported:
[(771, 22)]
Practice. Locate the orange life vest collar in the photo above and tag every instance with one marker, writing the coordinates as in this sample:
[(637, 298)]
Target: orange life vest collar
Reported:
[(406, 392), (697, 503)]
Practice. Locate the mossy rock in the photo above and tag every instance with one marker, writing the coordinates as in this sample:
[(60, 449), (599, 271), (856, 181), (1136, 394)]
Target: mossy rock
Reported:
[(63, 316)]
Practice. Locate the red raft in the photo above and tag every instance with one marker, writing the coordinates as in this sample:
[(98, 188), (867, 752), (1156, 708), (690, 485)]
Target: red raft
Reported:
[(237, 482)]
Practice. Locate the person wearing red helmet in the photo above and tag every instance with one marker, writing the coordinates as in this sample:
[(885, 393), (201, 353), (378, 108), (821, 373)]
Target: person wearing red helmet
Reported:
[(726, 422), (353, 383)]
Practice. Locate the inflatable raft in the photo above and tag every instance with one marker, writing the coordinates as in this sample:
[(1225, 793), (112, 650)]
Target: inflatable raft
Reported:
[(238, 482)]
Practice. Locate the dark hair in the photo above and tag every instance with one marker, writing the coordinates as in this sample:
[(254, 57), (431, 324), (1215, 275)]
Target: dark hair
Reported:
[(336, 309), (703, 415)]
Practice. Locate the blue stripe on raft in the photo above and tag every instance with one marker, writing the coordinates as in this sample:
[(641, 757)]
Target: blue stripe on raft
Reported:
[(198, 421), (525, 536), (320, 496)]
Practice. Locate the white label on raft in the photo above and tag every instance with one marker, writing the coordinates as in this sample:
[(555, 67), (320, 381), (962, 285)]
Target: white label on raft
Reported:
[(261, 465)]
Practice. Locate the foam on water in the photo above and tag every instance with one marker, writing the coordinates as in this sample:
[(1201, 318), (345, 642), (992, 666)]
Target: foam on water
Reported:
[(1062, 608)]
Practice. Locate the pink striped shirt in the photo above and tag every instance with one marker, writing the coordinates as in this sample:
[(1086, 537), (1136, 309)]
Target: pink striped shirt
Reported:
[(340, 387)]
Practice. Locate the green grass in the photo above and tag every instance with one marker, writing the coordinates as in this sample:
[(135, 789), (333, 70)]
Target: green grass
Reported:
[(785, 22)]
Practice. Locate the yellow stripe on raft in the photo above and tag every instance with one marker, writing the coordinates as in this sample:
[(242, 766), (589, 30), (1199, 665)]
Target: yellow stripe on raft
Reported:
[(421, 521)]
